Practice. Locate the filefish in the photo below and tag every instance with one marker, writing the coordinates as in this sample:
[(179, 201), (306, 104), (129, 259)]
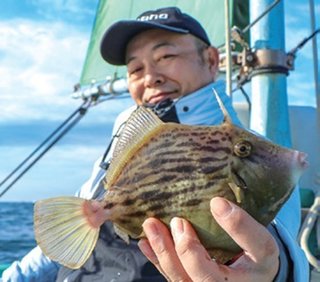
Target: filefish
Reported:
[(165, 170)]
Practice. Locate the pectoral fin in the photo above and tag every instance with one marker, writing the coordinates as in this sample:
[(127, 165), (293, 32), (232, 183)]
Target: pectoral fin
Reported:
[(63, 232)]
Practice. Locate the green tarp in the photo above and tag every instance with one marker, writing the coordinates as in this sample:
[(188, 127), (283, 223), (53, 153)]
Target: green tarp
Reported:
[(209, 12)]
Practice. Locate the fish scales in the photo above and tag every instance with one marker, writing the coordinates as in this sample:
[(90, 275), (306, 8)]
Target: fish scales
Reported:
[(140, 170), (167, 170), (194, 180), (190, 152)]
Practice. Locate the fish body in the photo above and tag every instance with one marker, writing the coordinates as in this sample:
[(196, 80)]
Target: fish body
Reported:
[(165, 170)]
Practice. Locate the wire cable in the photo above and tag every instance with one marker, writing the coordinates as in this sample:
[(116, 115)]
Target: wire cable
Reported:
[(307, 226), (65, 126)]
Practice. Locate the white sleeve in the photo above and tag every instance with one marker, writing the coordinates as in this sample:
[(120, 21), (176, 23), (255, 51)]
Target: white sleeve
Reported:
[(90, 189), (35, 266), (287, 224)]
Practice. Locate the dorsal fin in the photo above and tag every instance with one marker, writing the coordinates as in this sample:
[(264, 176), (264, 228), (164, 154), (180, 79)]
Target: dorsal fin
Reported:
[(139, 128), (226, 116)]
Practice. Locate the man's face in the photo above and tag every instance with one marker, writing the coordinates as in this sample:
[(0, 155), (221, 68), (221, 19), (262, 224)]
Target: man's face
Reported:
[(163, 64)]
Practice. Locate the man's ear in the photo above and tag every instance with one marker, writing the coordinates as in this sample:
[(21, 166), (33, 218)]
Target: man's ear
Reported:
[(213, 60)]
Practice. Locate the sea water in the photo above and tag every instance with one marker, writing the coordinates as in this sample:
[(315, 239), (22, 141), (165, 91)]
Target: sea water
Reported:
[(16, 230)]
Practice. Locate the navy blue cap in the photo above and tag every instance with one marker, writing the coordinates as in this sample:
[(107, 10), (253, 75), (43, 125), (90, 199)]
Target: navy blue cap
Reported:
[(116, 38)]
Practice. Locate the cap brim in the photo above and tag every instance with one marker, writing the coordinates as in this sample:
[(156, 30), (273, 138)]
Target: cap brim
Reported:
[(115, 40)]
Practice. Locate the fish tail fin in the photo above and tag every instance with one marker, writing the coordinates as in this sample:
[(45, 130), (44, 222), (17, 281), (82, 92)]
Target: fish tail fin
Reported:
[(63, 232)]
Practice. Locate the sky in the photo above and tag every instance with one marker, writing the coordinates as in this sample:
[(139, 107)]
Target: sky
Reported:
[(43, 45)]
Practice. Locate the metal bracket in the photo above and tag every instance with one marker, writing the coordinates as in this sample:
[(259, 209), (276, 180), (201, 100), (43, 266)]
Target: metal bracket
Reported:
[(251, 63), (264, 61)]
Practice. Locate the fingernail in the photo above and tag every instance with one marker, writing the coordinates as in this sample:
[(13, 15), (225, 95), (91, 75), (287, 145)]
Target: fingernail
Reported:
[(221, 207), (177, 228), (147, 251), (150, 229)]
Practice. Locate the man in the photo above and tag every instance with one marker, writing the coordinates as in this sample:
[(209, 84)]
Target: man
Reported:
[(170, 60)]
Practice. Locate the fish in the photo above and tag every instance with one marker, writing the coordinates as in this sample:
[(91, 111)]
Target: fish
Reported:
[(167, 170)]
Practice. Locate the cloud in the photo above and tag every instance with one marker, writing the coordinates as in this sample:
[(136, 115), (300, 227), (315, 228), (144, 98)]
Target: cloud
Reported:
[(61, 171), (71, 10), (299, 27), (303, 93), (40, 61), (39, 64), (300, 81)]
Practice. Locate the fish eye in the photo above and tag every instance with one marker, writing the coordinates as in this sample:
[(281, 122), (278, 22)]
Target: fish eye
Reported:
[(242, 149)]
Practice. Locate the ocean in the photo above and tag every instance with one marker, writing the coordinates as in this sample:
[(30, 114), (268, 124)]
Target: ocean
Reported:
[(16, 230)]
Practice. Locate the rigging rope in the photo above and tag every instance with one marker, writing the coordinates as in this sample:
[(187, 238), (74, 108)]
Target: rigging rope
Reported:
[(228, 49), (310, 221), (70, 122)]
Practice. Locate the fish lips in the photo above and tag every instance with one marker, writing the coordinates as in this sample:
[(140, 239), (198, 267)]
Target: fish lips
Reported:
[(302, 160)]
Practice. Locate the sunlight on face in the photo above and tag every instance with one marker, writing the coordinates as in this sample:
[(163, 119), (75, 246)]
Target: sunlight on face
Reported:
[(163, 64)]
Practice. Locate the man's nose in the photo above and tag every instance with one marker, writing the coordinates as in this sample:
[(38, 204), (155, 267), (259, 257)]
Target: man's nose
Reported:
[(153, 77)]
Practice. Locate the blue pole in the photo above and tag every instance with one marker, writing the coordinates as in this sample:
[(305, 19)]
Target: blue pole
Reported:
[(269, 98)]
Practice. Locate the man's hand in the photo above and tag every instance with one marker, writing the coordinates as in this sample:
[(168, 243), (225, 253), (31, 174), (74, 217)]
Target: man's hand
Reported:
[(181, 256)]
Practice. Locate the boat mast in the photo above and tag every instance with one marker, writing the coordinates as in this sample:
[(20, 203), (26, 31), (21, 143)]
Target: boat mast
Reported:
[(269, 114), (315, 58), (228, 48)]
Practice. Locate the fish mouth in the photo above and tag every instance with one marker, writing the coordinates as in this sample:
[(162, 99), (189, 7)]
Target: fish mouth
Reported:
[(239, 180), (302, 159)]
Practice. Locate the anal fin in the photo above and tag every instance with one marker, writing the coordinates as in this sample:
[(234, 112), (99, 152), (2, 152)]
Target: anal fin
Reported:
[(121, 233)]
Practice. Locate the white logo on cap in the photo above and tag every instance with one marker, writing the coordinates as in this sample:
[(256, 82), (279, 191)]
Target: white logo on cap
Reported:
[(153, 17)]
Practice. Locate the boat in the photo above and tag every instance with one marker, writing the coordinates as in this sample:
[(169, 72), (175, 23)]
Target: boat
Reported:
[(236, 29)]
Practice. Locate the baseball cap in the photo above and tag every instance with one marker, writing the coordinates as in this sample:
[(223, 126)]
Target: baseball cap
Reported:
[(115, 40)]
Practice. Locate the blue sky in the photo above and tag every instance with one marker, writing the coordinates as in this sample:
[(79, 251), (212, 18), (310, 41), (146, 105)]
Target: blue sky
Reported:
[(42, 49)]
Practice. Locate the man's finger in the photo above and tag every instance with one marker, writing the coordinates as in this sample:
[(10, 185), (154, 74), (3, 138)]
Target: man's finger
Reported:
[(162, 245), (250, 235), (193, 256), (151, 256)]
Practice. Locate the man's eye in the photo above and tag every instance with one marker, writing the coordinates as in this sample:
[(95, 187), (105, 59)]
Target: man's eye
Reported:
[(167, 56), (135, 71)]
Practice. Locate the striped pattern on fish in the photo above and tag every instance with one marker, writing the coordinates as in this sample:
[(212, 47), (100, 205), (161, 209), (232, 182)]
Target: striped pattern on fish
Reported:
[(166, 170), (184, 180)]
